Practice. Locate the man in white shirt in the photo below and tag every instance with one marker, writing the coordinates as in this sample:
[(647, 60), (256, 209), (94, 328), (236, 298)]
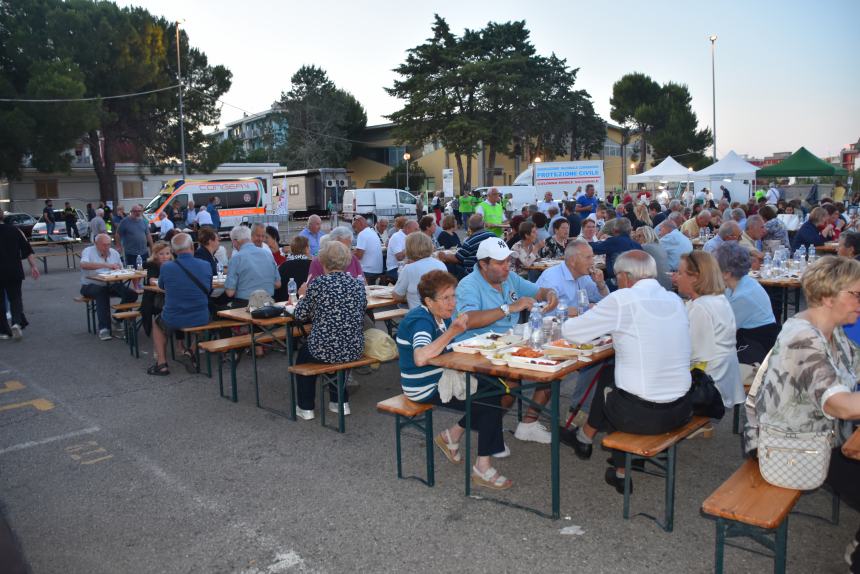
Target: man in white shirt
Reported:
[(649, 390), (772, 194), (368, 249), (548, 201), (397, 248), (164, 225), (204, 217), (100, 258)]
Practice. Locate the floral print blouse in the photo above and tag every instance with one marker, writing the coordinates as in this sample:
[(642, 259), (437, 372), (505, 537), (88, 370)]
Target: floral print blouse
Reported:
[(523, 256), (334, 304), (804, 371), (552, 249)]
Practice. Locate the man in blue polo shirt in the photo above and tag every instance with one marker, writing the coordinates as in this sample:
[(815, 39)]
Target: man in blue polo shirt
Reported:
[(587, 204), (251, 268), (187, 283), (493, 297)]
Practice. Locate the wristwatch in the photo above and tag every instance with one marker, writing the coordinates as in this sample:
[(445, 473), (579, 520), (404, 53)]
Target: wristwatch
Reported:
[(505, 309)]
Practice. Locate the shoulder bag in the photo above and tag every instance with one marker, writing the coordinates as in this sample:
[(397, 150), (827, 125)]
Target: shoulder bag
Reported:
[(794, 460)]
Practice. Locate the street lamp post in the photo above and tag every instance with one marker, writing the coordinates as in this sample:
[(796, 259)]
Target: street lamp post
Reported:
[(713, 39), (181, 111), (406, 158)]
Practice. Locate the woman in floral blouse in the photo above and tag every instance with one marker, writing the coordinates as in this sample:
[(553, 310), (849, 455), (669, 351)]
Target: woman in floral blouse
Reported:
[(810, 383), (334, 304), (554, 248), (527, 249)]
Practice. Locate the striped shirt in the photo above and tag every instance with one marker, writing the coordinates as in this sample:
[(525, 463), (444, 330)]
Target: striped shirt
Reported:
[(417, 330), (468, 251)]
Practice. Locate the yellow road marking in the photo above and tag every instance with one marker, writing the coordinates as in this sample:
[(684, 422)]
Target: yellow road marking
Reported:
[(38, 404), (10, 386)]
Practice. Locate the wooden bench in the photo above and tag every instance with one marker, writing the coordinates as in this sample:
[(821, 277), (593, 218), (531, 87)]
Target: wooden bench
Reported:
[(659, 450), (746, 505), (231, 345), (126, 306), (409, 413), (389, 317), (326, 373), (206, 330), (130, 324), (92, 323)]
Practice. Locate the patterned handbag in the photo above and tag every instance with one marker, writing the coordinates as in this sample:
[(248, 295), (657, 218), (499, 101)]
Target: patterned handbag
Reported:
[(794, 460)]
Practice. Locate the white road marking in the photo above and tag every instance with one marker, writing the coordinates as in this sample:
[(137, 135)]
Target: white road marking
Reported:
[(32, 443)]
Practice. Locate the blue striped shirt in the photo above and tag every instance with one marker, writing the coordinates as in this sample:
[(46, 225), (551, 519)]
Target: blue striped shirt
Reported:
[(417, 330)]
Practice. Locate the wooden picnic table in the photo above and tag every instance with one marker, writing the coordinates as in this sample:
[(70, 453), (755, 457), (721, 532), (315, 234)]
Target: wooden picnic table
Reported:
[(851, 448), (68, 246), (829, 247), (216, 284), (783, 285), (118, 277), (529, 379)]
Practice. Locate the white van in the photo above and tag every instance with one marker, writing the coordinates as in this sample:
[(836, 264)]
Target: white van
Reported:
[(521, 195), (375, 203)]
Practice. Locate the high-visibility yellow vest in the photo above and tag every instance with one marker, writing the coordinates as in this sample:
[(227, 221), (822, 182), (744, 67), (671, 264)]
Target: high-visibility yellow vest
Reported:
[(493, 215)]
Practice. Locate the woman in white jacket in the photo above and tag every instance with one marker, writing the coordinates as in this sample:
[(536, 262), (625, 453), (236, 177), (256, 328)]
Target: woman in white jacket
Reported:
[(712, 324)]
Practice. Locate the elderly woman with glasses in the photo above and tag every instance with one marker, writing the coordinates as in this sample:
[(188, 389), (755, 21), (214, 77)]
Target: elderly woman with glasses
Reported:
[(426, 332), (712, 324), (810, 380)]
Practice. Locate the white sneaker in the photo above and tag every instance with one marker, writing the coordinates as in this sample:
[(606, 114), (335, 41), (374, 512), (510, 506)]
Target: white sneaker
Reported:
[(504, 454), (333, 408), (534, 432), (17, 332), (105, 335), (305, 415)]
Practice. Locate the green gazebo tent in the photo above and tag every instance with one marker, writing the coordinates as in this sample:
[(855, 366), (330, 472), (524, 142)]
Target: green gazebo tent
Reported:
[(801, 163)]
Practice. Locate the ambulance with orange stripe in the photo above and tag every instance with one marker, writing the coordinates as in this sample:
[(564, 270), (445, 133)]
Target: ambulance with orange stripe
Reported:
[(238, 199)]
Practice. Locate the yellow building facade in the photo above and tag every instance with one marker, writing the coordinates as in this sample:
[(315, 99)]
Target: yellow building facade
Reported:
[(381, 153)]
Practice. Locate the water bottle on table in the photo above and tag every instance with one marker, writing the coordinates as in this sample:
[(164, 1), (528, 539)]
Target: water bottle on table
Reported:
[(812, 256), (139, 263), (536, 327), (220, 269), (582, 301), (292, 290)]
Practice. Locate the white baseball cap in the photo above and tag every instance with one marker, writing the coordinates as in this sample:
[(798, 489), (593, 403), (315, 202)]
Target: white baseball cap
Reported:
[(494, 248)]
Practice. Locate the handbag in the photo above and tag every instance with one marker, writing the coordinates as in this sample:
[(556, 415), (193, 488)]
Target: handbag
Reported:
[(794, 460), (705, 396), (267, 312)]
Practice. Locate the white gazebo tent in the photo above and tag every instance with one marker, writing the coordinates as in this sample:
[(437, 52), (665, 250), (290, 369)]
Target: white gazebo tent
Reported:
[(668, 170), (733, 170)]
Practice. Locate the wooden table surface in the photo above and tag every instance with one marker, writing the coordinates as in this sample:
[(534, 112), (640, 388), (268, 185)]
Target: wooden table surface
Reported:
[(829, 247), (477, 363), (242, 314), (104, 278), (789, 282), (851, 448)]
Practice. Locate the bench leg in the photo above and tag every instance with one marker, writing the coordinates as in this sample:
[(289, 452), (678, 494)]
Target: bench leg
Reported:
[(428, 447), (834, 509), (233, 386), (292, 379), (397, 427), (720, 547), (400, 422), (220, 375), (628, 470), (669, 515), (736, 419), (780, 546), (341, 418)]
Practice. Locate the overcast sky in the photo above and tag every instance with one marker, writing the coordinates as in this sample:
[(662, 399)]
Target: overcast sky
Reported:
[(786, 71)]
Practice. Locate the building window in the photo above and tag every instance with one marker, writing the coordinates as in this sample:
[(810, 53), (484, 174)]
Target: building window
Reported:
[(394, 155), (132, 189), (46, 188), (294, 189), (611, 148)]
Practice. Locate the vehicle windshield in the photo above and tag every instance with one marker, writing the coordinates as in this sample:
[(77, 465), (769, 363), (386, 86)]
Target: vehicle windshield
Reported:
[(156, 202)]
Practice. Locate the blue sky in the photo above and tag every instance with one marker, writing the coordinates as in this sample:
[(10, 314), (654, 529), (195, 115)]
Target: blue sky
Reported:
[(786, 72)]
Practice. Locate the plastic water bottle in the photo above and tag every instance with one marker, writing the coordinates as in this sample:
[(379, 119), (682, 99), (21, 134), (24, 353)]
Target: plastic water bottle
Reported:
[(561, 311), (292, 289), (139, 262), (800, 253), (812, 255), (536, 326), (220, 269), (582, 301)]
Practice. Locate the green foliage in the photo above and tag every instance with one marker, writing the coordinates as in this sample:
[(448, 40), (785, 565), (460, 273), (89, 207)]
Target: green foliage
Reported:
[(80, 48), (396, 178), (324, 121)]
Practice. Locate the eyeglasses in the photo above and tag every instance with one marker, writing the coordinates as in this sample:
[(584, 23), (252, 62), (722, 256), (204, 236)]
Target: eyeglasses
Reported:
[(855, 293), (445, 299)]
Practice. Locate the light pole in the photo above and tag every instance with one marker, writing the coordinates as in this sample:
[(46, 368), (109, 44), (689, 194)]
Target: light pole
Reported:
[(406, 158), (181, 111), (713, 39)]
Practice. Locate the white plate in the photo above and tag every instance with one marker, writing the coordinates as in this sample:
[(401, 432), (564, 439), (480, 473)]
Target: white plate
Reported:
[(483, 344)]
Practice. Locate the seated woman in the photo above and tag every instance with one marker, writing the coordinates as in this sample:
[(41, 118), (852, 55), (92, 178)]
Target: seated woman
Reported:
[(296, 266), (208, 251), (808, 382), (589, 230), (342, 235), (334, 305), (152, 302), (849, 245), (540, 220), (712, 325), (527, 249), (448, 238), (554, 246), (425, 333), (273, 242), (756, 325), (512, 235), (419, 251)]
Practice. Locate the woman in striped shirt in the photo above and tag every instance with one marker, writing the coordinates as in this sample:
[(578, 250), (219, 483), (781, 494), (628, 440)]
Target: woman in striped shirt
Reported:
[(426, 332)]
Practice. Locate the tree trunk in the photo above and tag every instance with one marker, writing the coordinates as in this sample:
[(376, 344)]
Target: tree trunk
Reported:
[(469, 172), (104, 165), (643, 151), (460, 172), (574, 153), (491, 166)]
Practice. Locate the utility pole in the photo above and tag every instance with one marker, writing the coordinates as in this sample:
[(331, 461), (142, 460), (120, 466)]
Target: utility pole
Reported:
[(181, 111)]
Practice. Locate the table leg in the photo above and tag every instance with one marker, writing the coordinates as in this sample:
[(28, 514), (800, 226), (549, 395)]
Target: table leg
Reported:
[(784, 304), (467, 458), (796, 300), (254, 366), (554, 450)]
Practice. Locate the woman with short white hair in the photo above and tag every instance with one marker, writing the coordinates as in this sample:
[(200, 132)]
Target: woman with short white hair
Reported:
[(342, 235)]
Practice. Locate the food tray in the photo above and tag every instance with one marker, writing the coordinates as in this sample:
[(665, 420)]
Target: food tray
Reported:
[(597, 345), (485, 343), (380, 291), (534, 364)]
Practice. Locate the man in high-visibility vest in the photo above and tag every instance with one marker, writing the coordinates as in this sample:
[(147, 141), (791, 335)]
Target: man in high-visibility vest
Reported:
[(467, 207), (493, 212)]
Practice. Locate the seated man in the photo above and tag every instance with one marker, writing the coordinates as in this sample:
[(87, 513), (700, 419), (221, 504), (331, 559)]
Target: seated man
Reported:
[(368, 249), (187, 283), (673, 241), (100, 258), (251, 268), (314, 233), (728, 231), (694, 225), (462, 262), (617, 243), (492, 296), (396, 255), (648, 393)]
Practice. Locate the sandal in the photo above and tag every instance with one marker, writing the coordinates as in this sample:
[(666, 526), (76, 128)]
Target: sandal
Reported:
[(449, 448), (159, 370), (490, 479)]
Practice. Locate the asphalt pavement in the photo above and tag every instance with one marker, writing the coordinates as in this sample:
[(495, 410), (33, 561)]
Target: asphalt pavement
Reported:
[(104, 469)]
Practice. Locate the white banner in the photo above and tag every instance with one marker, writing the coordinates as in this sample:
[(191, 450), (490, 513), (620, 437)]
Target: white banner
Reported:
[(448, 182), (561, 176)]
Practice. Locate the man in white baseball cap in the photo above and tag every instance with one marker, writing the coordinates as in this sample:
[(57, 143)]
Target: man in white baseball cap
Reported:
[(493, 297)]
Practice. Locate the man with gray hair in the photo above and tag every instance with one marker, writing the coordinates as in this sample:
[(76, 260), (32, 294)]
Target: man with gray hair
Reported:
[(187, 284), (463, 261), (313, 233), (740, 216), (576, 274), (673, 241), (648, 391), (694, 225), (97, 224), (752, 237), (251, 268), (729, 231), (99, 258)]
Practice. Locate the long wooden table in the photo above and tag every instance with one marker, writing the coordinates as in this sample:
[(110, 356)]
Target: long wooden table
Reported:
[(68, 246), (529, 379), (851, 448), (118, 278), (783, 285)]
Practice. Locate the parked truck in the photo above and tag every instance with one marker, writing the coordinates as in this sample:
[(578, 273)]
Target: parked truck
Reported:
[(378, 202)]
